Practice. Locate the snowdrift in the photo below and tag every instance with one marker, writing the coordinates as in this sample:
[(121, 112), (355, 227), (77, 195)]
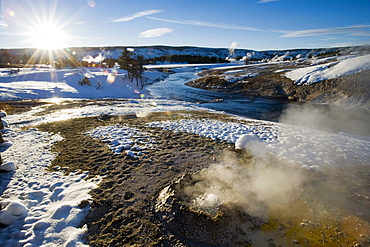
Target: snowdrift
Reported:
[(313, 74), (49, 83)]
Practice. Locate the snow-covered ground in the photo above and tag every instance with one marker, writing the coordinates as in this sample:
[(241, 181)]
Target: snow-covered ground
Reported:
[(140, 107), (49, 213), (124, 139), (42, 207), (302, 146), (112, 83), (48, 83), (347, 65)]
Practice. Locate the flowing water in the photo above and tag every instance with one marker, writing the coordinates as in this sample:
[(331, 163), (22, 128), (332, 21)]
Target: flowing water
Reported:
[(173, 87), (321, 117), (333, 206)]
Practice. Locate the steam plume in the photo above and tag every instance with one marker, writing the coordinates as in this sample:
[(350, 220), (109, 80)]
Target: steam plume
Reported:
[(232, 48), (91, 59), (328, 118), (258, 186)]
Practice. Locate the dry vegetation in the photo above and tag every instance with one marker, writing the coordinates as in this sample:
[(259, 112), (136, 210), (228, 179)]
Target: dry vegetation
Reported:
[(346, 90)]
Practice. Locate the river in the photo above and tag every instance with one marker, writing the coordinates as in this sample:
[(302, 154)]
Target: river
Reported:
[(174, 88)]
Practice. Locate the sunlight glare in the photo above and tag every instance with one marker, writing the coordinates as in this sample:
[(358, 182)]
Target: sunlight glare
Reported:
[(56, 100), (49, 37), (91, 3)]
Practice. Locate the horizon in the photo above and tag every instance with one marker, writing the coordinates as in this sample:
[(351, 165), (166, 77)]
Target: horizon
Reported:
[(259, 25), (180, 46)]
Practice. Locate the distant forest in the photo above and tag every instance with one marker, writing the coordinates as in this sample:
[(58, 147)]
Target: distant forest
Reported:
[(191, 59), (8, 59), (72, 57)]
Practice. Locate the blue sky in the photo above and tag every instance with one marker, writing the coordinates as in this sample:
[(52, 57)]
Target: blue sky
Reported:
[(251, 24)]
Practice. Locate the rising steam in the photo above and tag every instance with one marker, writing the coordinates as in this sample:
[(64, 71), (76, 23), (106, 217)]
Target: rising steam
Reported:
[(231, 49), (261, 184), (328, 118), (90, 59)]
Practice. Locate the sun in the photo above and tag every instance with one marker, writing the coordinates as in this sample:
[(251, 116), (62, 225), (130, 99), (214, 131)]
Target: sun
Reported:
[(49, 37)]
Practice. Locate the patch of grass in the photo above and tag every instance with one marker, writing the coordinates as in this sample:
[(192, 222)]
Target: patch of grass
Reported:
[(85, 81), (15, 107)]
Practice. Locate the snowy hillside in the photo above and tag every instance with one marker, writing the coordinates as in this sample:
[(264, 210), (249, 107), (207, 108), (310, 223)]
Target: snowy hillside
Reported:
[(48, 83), (158, 51), (149, 52), (313, 74)]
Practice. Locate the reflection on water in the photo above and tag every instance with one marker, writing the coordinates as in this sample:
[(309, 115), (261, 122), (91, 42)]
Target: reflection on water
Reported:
[(273, 205), (259, 108), (321, 117), (333, 211), (329, 208)]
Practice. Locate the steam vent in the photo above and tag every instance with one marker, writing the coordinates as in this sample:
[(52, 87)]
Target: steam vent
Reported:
[(200, 218)]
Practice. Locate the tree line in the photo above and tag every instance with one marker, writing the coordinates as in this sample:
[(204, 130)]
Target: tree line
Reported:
[(191, 59), (57, 60), (66, 59), (127, 61)]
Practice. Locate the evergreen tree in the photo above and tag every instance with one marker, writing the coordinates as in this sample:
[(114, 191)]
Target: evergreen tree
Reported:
[(138, 70), (134, 67), (125, 62)]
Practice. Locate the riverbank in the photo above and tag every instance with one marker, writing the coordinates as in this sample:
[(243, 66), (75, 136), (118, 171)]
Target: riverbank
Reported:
[(131, 207), (269, 80), (181, 181), (167, 172)]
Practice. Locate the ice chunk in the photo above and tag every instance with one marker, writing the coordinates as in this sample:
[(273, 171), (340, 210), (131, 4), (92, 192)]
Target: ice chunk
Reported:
[(12, 212), (8, 167), (4, 146), (5, 123)]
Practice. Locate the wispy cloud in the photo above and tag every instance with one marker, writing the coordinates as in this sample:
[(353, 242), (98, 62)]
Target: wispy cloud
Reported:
[(350, 30), (267, 1), (207, 24), (345, 44), (138, 15), (330, 38), (361, 33), (151, 33)]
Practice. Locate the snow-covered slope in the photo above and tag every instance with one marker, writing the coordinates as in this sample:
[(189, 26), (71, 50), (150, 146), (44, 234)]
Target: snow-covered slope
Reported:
[(149, 52), (159, 51), (48, 83), (313, 74)]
